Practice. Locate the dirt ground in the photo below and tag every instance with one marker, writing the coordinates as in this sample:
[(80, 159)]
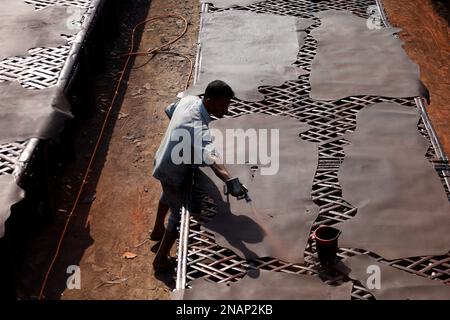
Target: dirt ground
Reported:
[(118, 206), (427, 41)]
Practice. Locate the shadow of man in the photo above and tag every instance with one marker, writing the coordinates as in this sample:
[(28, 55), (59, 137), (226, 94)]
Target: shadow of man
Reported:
[(237, 230)]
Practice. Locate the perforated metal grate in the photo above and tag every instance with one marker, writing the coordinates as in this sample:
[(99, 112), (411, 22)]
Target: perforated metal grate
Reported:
[(39, 4), (40, 69), (304, 9), (329, 121), (9, 154), (206, 259)]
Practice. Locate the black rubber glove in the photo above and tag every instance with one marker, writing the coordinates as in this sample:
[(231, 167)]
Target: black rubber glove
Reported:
[(235, 187)]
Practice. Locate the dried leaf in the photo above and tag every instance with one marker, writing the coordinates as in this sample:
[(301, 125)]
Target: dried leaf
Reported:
[(129, 255)]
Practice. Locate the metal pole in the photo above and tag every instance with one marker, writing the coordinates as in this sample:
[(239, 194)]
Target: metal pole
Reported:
[(184, 237), (63, 80)]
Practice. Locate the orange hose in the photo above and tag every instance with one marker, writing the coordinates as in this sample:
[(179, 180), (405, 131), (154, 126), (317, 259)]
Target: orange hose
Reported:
[(159, 49), (99, 138)]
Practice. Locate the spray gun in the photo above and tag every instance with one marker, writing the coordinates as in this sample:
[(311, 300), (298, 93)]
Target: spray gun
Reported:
[(236, 186)]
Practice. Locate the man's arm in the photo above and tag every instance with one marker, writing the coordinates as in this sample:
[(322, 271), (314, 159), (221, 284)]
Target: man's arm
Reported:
[(219, 169), (212, 159), (234, 186)]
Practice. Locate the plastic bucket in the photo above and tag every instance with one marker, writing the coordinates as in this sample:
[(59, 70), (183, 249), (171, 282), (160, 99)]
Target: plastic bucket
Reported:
[(326, 239)]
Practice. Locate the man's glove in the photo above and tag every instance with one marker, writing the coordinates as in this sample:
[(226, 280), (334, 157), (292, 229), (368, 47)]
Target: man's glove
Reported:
[(235, 188)]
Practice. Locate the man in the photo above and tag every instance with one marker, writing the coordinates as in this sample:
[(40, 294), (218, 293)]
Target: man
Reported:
[(192, 115)]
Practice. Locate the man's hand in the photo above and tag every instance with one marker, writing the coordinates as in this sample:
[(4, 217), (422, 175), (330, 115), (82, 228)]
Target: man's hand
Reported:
[(235, 187)]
